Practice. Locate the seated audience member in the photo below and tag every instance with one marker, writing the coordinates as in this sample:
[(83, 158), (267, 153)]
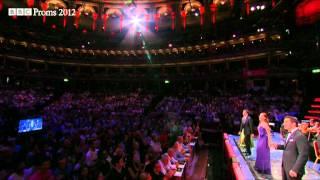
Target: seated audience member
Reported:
[(197, 130), (163, 139), (304, 128), (145, 176), (148, 163), (91, 156), (184, 143), (316, 125), (84, 173), (178, 152), (156, 174), (318, 137), (313, 129), (64, 169), (155, 144), (186, 146), (28, 171), (134, 164), (43, 172), (166, 167), (188, 135), (119, 151), (172, 159), (312, 122), (18, 173), (117, 171), (179, 144), (133, 168)]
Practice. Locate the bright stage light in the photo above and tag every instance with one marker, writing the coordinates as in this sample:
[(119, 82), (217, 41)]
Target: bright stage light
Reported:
[(135, 21)]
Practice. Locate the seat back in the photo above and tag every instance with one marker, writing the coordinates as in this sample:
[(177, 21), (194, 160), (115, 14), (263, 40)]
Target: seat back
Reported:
[(316, 149)]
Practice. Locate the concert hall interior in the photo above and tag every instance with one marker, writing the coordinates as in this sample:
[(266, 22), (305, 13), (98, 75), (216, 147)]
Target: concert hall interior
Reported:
[(159, 89)]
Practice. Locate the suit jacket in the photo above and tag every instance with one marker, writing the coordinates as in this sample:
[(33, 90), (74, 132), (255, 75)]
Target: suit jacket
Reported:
[(295, 154), (246, 126)]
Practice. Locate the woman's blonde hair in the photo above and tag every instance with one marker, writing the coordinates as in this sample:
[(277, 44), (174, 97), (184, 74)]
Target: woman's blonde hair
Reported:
[(264, 122), (265, 119)]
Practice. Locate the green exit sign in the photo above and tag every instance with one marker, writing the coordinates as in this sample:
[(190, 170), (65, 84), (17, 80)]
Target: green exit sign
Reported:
[(314, 71)]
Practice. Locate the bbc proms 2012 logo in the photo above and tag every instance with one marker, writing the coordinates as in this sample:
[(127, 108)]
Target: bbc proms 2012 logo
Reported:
[(39, 12)]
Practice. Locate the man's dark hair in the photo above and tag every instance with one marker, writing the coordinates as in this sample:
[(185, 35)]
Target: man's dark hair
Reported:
[(116, 159), (292, 119)]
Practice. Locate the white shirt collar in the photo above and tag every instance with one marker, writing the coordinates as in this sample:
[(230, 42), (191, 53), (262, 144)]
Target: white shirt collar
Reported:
[(290, 133), (293, 130)]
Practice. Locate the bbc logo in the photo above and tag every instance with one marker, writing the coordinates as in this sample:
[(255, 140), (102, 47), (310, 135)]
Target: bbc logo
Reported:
[(20, 12)]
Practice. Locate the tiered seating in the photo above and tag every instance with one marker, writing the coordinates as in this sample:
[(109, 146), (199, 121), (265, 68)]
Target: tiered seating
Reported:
[(314, 112)]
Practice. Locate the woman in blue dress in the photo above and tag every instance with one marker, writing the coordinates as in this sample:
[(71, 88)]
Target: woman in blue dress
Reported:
[(263, 145)]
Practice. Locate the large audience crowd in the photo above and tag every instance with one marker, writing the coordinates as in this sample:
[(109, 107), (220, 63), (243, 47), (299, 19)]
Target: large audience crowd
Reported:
[(24, 100), (110, 136)]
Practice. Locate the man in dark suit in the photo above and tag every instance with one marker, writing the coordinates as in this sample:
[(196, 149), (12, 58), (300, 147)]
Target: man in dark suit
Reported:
[(246, 126), (296, 150)]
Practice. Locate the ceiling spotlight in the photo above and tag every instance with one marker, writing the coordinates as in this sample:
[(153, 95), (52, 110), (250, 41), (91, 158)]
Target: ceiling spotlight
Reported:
[(82, 46), (258, 30), (258, 7), (252, 8), (135, 21), (170, 45), (263, 7), (233, 35), (193, 10), (261, 29), (196, 14)]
